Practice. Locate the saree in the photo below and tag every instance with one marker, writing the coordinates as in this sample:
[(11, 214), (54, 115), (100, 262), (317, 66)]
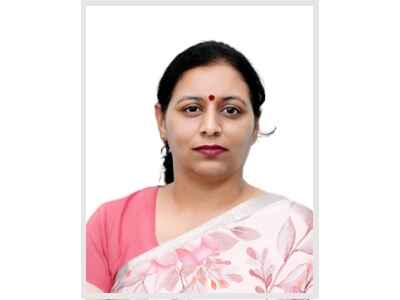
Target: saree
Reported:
[(263, 245)]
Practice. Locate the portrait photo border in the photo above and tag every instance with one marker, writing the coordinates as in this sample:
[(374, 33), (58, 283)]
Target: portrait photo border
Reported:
[(315, 290)]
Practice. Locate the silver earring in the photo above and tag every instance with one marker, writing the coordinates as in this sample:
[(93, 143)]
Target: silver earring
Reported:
[(262, 134), (162, 168), (164, 151)]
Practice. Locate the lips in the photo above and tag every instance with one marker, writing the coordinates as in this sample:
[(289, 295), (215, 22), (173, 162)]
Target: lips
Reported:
[(211, 150), (210, 147)]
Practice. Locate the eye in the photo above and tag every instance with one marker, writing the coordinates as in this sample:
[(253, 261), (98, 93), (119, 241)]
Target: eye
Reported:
[(232, 110), (191, 109)]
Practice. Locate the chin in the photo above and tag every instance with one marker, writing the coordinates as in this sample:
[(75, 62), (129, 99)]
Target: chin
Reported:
[(210, 170)]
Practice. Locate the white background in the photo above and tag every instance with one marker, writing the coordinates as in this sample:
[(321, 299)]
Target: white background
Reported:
[(126, 56), (40, 215)]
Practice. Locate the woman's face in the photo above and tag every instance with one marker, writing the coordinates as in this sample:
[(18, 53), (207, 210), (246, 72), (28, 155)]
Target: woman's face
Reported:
[(193, 119)]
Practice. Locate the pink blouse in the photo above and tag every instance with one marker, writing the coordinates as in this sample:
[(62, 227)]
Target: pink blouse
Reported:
[(118, 231)]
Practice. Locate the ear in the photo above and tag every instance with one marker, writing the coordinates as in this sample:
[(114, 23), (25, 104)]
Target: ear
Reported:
[(255, 132), (160, 121)]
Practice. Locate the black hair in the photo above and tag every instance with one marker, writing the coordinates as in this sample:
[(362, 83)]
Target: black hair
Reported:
[(202, 54)]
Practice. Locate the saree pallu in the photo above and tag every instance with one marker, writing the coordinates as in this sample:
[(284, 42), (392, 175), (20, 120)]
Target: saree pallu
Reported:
[(263, 245)]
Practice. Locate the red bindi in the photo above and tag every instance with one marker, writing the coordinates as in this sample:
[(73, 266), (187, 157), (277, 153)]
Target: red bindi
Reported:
[(211, 97)]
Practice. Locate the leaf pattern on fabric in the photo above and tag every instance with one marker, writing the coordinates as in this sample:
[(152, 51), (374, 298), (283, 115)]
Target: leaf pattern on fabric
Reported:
[(306, 245), (252, 253), (197, 266), (235, 277), (264, 256), (210, 242), (286, 239), (186, 257), (259, 289), (298, 280), (245, 233), (223, 240), (134, 279), (306, 214), (206, 264), (169, 279), (196, 285), (167, 259), (202, 252), (264, 270)]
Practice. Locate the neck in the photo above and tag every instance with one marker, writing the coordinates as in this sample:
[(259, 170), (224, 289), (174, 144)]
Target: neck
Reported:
[(192, 194)]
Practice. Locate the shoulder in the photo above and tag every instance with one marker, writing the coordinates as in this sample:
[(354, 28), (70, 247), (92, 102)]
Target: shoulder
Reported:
[(294, 206), (134, 198), (281, 201), (297, 211), (113, 210), (301, 215)]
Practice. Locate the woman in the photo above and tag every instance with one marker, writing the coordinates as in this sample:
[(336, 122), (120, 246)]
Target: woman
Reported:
[(207, 230)]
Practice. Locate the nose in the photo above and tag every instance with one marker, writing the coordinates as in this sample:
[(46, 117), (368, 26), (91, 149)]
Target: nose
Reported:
[(210, 123)]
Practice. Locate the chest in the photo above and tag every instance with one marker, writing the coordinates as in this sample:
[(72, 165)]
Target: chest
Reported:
[(171, 223)]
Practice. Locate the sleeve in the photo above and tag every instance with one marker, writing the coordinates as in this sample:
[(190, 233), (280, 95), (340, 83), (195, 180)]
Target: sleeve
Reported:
[(97, 254)]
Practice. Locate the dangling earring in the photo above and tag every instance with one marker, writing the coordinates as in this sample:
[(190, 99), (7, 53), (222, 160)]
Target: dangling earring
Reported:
[(164, 152), (164, 148)]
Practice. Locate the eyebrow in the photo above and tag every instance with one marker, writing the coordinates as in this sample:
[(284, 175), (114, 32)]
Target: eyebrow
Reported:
[(200, 98)]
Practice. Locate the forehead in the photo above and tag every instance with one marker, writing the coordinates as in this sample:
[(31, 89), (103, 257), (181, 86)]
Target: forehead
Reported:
[(219, 79)]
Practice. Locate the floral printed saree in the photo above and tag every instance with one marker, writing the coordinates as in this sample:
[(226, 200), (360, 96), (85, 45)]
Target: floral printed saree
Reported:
[(262, 246)]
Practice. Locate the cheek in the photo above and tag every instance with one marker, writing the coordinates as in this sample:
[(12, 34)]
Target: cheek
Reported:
[(240, 136), (181, 132)]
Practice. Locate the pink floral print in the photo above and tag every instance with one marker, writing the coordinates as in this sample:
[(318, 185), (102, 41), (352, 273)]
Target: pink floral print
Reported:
[(299, 280), (195, 268), (235, 258)]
